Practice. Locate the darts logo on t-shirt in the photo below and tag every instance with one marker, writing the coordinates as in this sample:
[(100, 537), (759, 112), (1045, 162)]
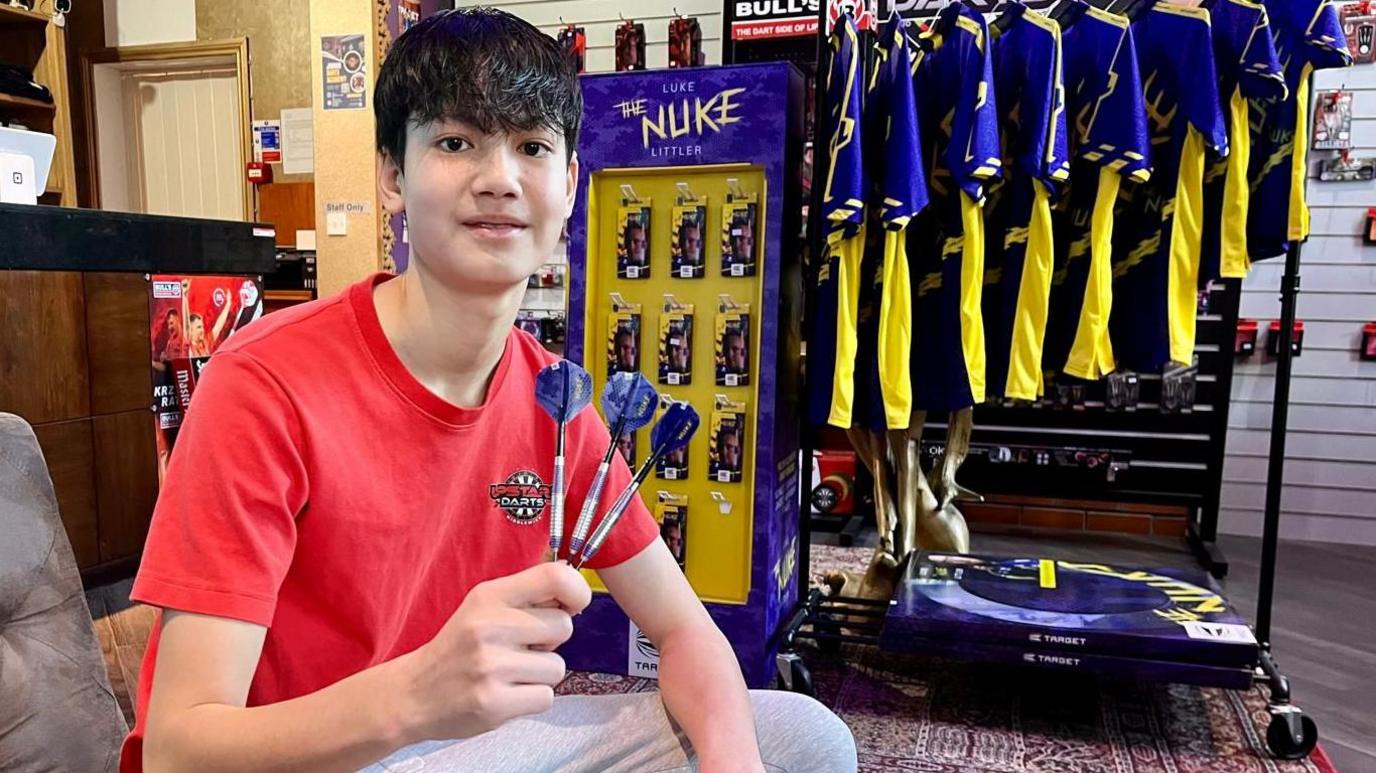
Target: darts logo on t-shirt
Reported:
[(523, 496)]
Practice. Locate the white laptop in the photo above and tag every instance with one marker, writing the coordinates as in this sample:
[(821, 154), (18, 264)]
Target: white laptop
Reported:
[(25, 158)]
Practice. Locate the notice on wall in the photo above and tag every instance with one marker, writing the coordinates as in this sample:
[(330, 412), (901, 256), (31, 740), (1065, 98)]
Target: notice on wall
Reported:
[(267, 141), (298, 141), (344, 72)]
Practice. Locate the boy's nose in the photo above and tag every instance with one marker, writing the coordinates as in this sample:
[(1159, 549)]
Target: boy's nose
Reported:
[(498, 175)]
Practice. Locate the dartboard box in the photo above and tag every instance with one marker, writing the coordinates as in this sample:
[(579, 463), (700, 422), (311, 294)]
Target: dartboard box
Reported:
[(1069, 608), (1084, 662)]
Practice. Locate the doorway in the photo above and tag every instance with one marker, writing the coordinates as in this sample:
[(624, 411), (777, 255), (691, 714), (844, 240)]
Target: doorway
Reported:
[(170, 128)]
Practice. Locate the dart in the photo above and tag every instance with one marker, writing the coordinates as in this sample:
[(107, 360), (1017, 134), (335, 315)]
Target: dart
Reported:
[(628, 403), (674, 430), (562, 390)]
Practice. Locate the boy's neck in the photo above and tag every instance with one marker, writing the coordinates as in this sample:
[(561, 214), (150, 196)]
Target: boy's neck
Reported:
[(449, 339)]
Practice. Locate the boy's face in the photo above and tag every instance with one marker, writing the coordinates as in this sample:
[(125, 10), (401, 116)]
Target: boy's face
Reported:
[(483, 210)]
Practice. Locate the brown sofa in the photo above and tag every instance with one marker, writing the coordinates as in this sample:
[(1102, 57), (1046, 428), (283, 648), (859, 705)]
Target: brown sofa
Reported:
[(57, 709)]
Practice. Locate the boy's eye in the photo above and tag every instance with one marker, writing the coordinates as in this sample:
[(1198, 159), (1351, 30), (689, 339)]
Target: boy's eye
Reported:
[(454, 144), (536, 149)]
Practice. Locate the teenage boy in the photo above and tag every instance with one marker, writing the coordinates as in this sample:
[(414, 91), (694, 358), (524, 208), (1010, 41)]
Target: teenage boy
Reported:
[(351, 575)]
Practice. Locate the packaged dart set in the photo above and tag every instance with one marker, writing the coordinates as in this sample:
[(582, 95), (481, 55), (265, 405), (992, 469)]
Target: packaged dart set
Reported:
[(733, 342), (738, 232), (633, 240), (671, 511), (623, 337), (675, 342), (685, 43), (726, 443), (574, 41), (630, 46), (687, 240), (673, 465)]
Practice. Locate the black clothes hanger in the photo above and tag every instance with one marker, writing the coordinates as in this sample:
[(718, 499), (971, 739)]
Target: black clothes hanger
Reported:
[(1012, 11)]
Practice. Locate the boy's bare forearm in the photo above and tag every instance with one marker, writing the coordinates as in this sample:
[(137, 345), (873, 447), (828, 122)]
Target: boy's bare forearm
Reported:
[(705, 693), (346, 726)]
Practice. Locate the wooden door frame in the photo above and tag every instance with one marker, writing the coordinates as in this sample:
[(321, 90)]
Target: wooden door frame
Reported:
[(236, 48)]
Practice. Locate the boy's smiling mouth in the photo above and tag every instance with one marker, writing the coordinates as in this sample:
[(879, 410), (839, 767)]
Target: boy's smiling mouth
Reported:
[(495, 226)]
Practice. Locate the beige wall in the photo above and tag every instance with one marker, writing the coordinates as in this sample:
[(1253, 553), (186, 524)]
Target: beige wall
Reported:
[(345, 170), (279, 44), (145, 22)]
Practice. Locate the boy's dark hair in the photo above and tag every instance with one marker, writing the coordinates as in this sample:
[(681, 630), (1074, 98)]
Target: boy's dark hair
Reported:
[(481, 66)]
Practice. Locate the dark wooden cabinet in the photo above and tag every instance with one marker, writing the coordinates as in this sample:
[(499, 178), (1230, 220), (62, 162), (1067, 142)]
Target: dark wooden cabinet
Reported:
[(126, 480), (117, 342), (43, 372), (74, 363), (71, 463)]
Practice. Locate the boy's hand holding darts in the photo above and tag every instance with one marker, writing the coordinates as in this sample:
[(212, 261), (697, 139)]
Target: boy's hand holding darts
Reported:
[(494, 659)]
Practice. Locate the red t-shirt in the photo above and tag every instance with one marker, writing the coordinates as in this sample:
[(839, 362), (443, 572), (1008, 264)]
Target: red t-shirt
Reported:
[(317, 488)]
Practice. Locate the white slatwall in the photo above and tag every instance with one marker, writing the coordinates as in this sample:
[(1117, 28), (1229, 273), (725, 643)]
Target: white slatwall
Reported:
[(1330, 469), (601, 17)]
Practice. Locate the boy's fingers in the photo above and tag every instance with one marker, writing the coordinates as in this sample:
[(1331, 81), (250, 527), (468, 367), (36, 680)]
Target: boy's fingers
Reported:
[(543, 628), (546, 582)]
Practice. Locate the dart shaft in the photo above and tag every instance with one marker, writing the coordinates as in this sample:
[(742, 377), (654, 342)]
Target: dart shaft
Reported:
[(556, 506), (604, 529), (584, 523)]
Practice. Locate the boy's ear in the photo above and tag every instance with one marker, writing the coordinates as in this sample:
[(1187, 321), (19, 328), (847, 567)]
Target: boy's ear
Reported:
[(390, 184), (572, 182)]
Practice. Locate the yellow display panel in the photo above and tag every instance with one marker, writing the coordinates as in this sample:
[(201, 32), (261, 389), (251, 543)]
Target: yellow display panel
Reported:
[(717, 557)]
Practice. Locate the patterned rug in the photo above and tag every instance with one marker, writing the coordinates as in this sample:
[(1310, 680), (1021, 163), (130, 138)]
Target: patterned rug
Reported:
[(937, 716)]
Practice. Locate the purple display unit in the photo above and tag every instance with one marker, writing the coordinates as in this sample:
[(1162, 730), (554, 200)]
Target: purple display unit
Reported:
[(762, 126)]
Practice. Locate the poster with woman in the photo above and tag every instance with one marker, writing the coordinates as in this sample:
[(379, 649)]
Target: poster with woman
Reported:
[(189, 318)]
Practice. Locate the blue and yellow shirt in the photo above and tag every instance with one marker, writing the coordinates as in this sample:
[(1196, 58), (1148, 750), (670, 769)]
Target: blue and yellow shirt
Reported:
[(1309, 37), (1160, 223), (898, 193), (1248, 73), (1108, 142), (832, 345), (960, 144), (1036, 161)]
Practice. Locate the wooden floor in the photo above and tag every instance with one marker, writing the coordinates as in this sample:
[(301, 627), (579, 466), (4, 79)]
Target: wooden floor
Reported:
[(122, 629), (1323, 622)]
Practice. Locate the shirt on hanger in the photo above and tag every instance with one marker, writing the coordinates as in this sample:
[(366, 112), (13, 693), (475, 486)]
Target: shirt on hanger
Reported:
[(1157, 243), (1248, 72), (1108, 141), (831, 348), (898, 194), (1036, 160), (959, 129), (1309, 36)]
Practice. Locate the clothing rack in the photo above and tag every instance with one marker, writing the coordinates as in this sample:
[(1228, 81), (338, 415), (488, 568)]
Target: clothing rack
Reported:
[(1291, 734)]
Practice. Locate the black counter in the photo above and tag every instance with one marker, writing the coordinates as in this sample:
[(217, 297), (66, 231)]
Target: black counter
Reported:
[(45, 238)]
